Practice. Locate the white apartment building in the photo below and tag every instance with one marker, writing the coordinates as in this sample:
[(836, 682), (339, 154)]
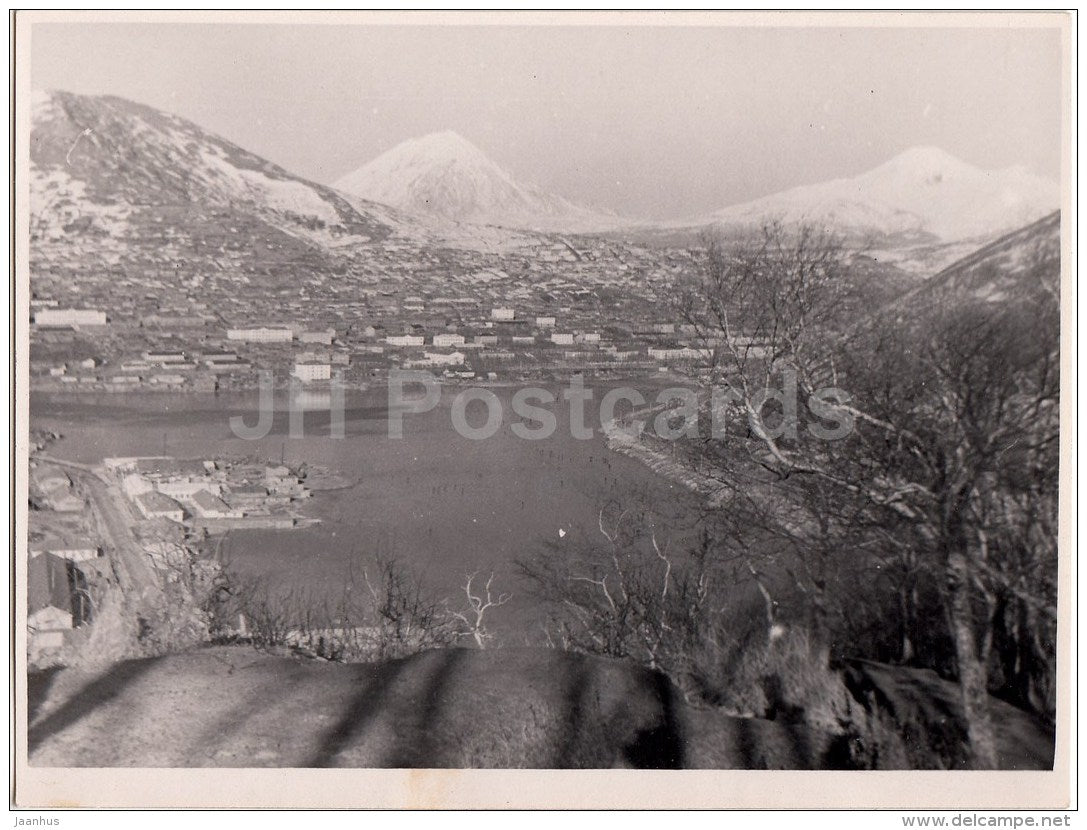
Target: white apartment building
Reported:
[(261, 335), (446, 340), (74, 317), (405, 339), (683, 353), (307, 372)]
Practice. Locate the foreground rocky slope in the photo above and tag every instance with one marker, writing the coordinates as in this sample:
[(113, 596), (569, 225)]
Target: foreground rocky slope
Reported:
[(235, 707)]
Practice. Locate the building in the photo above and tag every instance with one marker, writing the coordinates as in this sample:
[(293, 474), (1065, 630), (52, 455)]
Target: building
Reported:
[(58, 599), (251, 494), (502, 314), (224, 363), (174, 321), (210, 506), (168, 380), (562, 338), (165, 466), (682, 353), (545, 322), (69, 317), (405, 339), (183, 488), (445, 341), (164, 358), (155, 505), (441, 359), (308, 372), (322, 337), (261, 335), (281, 481), (67, 549)]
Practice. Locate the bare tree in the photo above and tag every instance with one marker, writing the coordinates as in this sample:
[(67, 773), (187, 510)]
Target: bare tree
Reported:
[(382, 615), (936, 408), (478, 604)]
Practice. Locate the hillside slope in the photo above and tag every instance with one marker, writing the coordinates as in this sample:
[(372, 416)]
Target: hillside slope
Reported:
[(541, 708), (1014, 269)]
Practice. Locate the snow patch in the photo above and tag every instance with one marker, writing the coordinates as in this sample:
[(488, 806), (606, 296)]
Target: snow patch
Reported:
[(57, 201), (284, 195)]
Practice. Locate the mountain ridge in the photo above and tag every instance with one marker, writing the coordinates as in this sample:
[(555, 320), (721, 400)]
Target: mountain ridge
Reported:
[(106, 150), (924, 192), (1003, 272)]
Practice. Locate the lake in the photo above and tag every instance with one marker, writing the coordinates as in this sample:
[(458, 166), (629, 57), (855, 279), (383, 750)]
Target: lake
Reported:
[(447, 505)]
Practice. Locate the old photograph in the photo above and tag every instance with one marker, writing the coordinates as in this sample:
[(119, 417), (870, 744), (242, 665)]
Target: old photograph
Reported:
[(598, 392)]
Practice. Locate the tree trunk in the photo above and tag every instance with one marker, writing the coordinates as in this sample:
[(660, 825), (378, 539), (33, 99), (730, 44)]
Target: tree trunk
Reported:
[(972, 675), (905, 649)]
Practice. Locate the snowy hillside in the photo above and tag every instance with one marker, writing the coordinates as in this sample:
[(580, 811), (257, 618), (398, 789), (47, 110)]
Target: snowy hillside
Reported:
[(921, 192), (99, 160), (446, 177), (1017, 270)]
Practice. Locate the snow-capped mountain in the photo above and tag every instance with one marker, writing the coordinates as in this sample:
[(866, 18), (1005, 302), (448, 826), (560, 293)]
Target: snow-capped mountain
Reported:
[(923, 192), (446, 177)]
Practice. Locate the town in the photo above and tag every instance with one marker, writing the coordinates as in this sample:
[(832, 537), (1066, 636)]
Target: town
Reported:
[(547, 312), (139, 522)]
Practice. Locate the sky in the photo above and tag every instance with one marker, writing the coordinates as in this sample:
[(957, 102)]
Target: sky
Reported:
[(648, 122)]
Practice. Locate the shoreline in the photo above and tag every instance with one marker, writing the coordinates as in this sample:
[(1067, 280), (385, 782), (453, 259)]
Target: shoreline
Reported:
[(622, 441)]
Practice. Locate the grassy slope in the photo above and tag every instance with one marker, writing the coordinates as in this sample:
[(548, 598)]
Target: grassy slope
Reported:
[(234, 707)]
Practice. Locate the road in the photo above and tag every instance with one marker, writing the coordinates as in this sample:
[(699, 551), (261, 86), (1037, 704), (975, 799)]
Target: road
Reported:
[(109, 507)]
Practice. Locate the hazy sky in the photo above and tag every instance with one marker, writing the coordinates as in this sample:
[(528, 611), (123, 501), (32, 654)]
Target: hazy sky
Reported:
[(646, 121)]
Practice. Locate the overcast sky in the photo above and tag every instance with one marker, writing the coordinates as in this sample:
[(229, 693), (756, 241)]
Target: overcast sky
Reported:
[(648, 122)]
